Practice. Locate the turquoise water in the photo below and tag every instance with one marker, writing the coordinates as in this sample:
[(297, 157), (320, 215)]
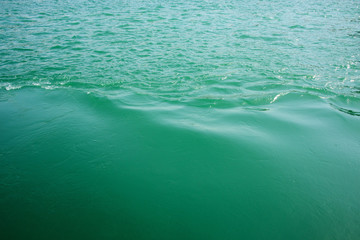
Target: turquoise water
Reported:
[(164, 119)]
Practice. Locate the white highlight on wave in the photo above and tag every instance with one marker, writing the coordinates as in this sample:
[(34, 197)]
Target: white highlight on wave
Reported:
[(279, 95)]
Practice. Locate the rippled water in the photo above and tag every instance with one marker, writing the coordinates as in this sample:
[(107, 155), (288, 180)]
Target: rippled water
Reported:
[(167, 119)]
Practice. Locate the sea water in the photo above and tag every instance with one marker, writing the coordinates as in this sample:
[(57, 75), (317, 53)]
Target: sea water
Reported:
[(168, 119)]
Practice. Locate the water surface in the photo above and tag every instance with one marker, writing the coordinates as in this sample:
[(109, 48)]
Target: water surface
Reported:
[(179, 119)]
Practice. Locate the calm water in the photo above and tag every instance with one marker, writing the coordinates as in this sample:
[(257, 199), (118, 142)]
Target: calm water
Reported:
[(166, 119)]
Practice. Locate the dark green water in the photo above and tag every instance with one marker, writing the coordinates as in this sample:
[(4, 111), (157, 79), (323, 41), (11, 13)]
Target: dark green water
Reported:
[(164, 119)]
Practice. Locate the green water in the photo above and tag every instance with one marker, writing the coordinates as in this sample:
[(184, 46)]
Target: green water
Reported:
[(167, 119)]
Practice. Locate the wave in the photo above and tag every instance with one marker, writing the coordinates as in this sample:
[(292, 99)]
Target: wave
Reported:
[(251, 97)]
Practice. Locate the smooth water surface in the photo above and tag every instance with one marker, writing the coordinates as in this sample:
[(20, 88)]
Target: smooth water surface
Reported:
[(166, 119)]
